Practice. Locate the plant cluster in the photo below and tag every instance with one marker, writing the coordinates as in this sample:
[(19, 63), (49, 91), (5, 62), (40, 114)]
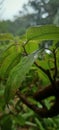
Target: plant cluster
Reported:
[(29, 78)]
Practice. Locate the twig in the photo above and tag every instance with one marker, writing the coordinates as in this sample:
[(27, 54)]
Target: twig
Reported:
[(55, 64)]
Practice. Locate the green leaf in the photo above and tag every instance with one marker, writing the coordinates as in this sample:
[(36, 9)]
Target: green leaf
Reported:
[(8, 63), (45, 32), (39, 124), (31, 46), (18, 74), (43, 77)]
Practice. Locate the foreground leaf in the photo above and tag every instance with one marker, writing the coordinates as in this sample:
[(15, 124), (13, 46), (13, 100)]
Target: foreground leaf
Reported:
[(18, 74), (47, 32)]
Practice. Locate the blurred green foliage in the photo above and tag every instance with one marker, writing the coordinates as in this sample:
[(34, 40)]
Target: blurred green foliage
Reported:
[(18, 71)]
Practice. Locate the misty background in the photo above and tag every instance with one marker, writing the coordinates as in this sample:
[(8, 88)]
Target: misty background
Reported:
[(17, 15)]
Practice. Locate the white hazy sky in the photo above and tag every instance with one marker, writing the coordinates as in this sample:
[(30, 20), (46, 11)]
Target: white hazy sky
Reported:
[(11, 8)]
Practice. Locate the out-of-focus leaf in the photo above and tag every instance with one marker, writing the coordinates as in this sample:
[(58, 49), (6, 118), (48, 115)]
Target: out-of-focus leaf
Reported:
[(8, 63), (32, 46), (43, 77), (47, 32), (39, 124)]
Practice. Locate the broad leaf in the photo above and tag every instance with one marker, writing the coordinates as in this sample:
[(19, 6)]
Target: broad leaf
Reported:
[(18, 74), (47, 32)]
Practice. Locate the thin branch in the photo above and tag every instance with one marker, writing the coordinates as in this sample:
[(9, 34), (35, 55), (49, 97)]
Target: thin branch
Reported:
[(42, 112), (25, 50), (47, 92), (55, 64), (44, 93)]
